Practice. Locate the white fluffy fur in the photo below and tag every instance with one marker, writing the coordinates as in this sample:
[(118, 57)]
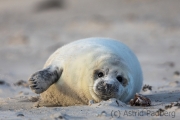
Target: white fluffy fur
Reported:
[(79, 59)]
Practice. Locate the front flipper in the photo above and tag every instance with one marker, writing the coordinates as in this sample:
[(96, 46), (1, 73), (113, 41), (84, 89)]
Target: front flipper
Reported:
[(42, 80)]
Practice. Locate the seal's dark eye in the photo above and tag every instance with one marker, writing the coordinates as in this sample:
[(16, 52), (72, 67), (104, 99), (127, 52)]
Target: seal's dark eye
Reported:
[(120, 78), (100, 74)]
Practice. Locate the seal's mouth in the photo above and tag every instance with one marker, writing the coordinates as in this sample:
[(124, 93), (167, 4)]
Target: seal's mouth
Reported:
[(106, 91)]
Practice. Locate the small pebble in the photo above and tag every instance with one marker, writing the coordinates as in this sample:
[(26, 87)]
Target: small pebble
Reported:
[(91, 102), (177, 73), (103, 113), (20, 115), (2, 82), (21, 83)]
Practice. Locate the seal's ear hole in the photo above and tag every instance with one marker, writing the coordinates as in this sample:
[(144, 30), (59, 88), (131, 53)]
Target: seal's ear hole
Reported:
[(122, 80), (100, 74)]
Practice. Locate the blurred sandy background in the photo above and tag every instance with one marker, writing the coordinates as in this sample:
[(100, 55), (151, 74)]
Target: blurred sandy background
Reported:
[(31, 30)]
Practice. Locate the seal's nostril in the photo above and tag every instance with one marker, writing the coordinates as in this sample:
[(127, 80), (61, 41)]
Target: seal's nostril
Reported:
[(107, 86)]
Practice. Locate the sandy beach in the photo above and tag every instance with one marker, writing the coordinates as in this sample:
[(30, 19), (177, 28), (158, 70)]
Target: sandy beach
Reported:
[(30, 31)]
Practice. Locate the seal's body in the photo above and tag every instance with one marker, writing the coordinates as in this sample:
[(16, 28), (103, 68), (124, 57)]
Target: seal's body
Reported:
[(89, 69)]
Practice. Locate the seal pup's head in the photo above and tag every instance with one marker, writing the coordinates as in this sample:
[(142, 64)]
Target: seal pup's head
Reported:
[(111, 79)]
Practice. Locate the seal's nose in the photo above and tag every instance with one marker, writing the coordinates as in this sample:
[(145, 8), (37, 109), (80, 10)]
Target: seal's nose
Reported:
[(107, 86)]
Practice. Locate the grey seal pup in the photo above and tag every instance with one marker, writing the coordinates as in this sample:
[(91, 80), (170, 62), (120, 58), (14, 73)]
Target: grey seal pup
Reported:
[(88, 69)]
